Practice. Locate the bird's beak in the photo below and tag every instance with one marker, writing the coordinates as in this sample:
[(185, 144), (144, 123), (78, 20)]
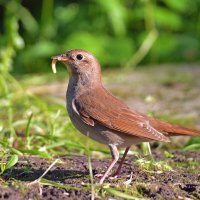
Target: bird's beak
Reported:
[(61, 58)]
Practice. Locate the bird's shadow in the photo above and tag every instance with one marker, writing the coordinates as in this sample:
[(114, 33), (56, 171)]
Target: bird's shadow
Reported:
[(33, 174)]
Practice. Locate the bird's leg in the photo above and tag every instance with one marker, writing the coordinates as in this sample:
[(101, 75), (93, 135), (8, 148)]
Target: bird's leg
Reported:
[(121, 163), (115, 156)]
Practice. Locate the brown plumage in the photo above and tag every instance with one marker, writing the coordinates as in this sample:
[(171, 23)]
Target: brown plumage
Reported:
[(115, 115), (173, 130), (96, 113)]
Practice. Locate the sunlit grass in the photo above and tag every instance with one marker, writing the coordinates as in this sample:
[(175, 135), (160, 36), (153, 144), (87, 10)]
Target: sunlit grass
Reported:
[(39, 125), (30, 125)]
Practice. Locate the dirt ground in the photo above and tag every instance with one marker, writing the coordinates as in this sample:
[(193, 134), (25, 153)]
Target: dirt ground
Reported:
[(174, 91), (181, 183)]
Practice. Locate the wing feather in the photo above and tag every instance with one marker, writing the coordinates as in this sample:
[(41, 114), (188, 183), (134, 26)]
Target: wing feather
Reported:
[(105, 109), (172, 129)]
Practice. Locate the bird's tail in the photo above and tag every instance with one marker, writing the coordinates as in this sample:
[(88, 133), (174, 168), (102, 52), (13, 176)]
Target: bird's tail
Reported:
[(173, 130)]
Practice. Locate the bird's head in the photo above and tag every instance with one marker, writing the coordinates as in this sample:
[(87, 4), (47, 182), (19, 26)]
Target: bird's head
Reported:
[(79, 63)]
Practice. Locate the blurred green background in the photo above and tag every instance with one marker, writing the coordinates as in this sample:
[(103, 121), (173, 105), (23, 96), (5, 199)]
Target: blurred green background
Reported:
[(121, 33)]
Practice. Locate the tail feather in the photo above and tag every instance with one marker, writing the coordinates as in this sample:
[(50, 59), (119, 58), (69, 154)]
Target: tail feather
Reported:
[(173, 130)]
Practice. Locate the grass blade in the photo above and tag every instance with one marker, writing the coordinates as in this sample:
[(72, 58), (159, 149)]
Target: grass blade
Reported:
[(12, 161), (121, 194), (44, 181)]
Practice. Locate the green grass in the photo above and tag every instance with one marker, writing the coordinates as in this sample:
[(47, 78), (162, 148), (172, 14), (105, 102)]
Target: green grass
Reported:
[(39, 125), (43, 124)]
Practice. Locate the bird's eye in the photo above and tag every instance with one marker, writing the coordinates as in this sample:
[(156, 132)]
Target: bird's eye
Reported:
[(79, 57)]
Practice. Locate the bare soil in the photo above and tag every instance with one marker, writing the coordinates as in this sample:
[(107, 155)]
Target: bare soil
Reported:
[(181, 183), (173, 91)]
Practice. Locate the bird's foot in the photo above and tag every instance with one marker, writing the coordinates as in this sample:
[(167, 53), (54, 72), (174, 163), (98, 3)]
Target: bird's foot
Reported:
[(114, 176), (110, 177), (98, 175)]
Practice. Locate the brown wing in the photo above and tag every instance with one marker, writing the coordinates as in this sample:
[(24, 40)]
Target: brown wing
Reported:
[(172, 129), (105, 109)]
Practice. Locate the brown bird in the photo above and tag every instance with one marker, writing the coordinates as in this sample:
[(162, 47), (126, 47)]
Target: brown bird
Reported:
[(95, 112)]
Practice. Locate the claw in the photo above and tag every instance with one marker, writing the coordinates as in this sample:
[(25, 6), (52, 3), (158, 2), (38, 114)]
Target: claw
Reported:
[(98, 175)]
